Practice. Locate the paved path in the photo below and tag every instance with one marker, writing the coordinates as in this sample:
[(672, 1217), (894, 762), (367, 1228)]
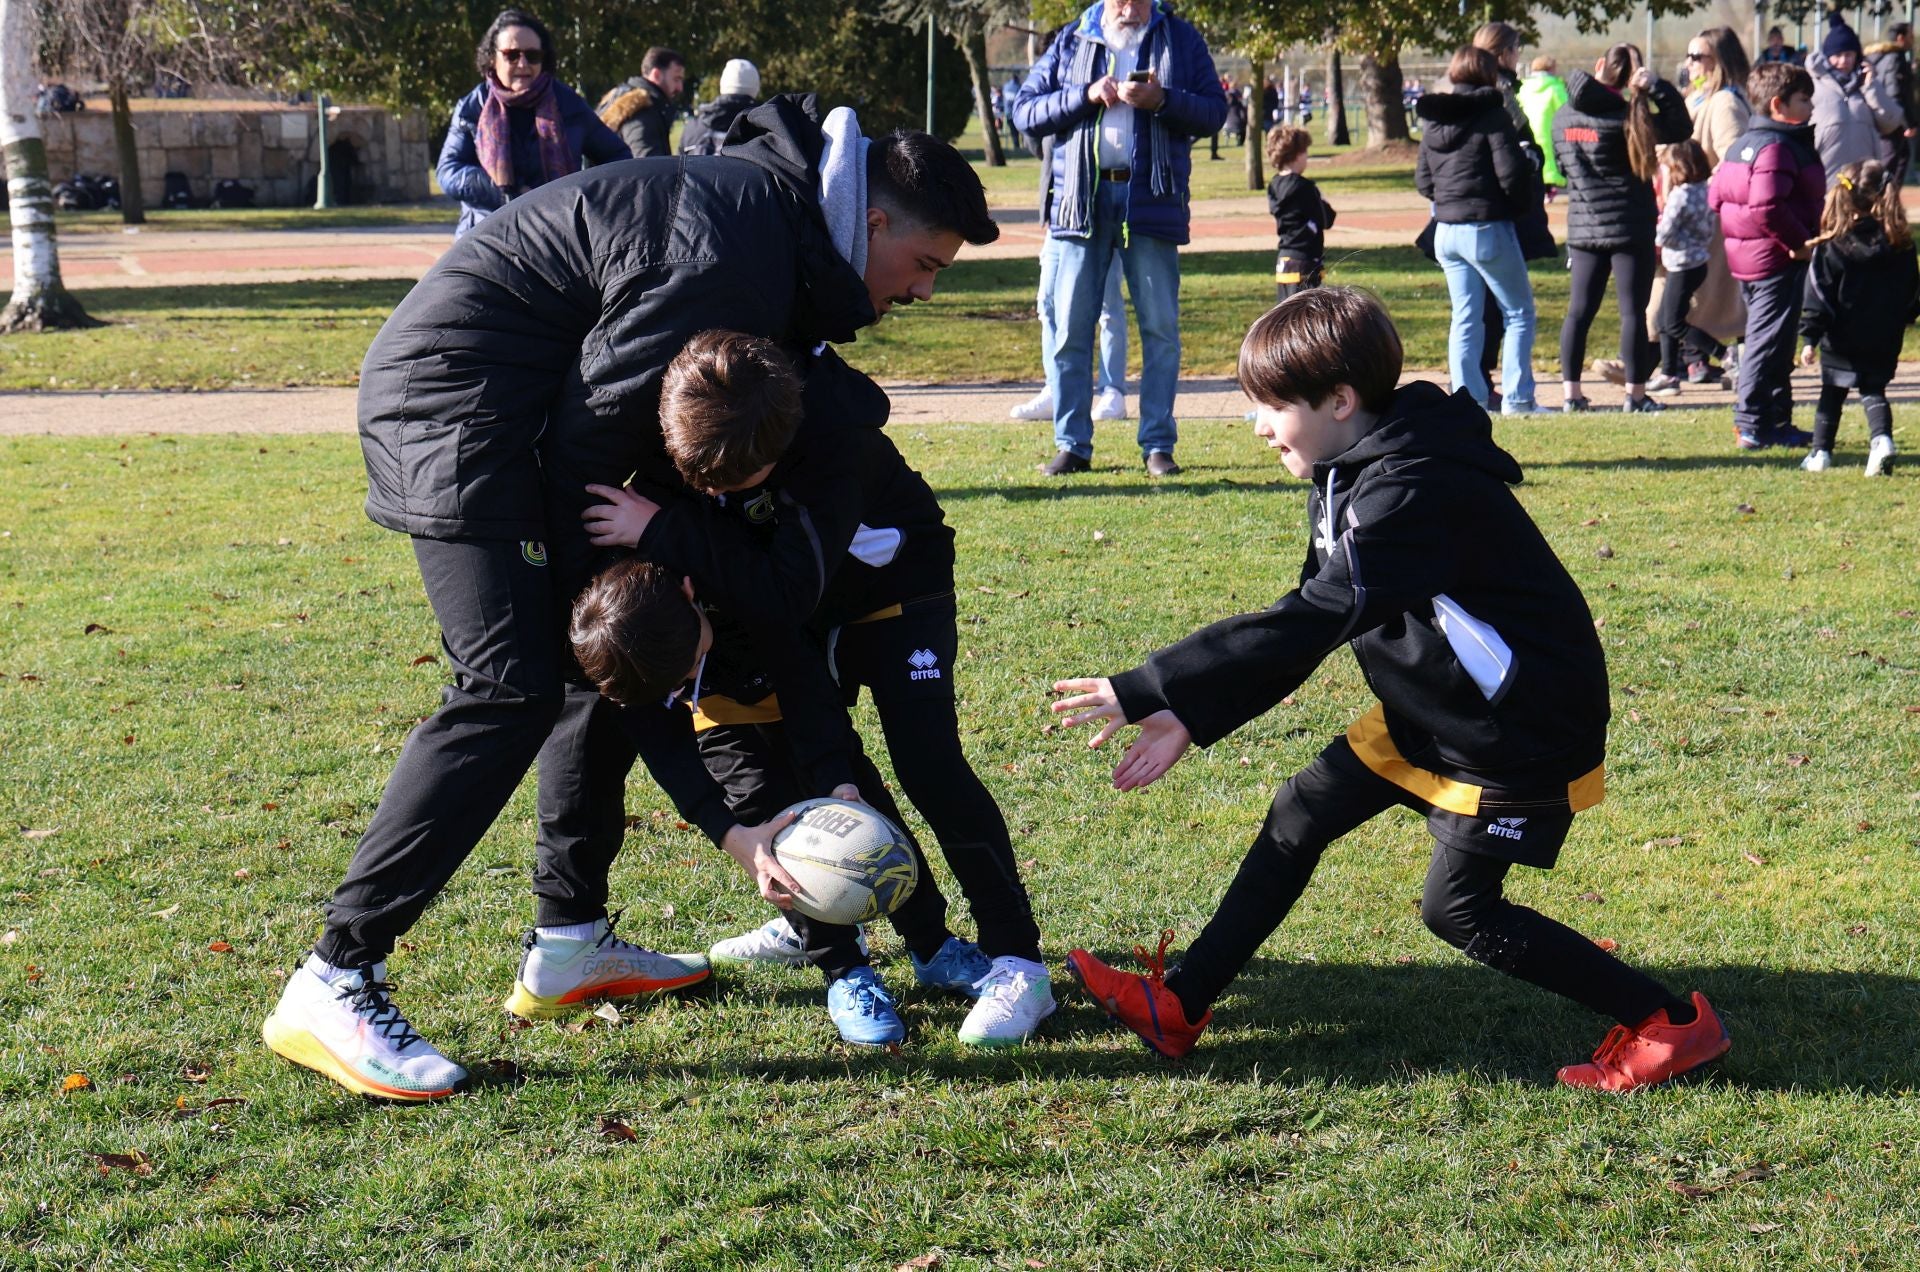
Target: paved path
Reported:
[(146, 257), (262, 411)]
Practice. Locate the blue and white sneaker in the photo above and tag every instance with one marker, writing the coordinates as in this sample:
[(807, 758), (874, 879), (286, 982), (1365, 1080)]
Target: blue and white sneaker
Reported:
[(956, 966), (863, 1011)]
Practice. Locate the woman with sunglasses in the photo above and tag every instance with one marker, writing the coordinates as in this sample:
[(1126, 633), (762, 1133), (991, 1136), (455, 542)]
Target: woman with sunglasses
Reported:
[(520, 127)]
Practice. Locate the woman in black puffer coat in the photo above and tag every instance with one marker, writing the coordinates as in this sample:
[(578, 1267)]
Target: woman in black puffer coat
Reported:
[(1472, 168), (1605, 138)]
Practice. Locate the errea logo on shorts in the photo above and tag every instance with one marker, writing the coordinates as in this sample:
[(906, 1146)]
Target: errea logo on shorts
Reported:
[(1506, 827), (925, 665)]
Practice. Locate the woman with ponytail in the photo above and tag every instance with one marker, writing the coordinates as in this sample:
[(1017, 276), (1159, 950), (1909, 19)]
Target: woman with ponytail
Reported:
[(1607, 139), (1863, 291)]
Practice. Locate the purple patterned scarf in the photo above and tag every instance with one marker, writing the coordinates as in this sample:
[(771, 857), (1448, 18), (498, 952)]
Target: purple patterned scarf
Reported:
[(494, 136)]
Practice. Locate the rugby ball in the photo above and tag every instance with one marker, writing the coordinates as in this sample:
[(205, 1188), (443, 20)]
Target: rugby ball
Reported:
[(853, 865)]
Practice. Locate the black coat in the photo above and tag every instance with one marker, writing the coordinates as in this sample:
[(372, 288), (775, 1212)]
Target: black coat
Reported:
[(1862, 294), (1607, 206), (527, 362), (1416, 518), (1300, 216), (706, 132), (1470, 164)]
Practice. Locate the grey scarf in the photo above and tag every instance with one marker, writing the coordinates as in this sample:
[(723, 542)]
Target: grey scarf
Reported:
[(1082, 164)]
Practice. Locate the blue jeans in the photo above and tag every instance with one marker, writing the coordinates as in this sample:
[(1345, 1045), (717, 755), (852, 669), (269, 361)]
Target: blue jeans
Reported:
[(1081, 268), (1478, 257), (1113, 321)]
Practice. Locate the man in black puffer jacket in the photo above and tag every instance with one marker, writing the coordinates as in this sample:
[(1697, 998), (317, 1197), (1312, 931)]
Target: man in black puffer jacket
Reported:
[(525, 365)]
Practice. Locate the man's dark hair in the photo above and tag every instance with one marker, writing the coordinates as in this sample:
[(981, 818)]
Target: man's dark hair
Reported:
[(1303, 348), (661, 59), (1776, 79), (729, 406), (918, 179), (634, 632), (483, 56)]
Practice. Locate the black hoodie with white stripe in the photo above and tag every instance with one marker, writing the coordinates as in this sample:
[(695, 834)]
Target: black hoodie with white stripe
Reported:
[(1477, 641)]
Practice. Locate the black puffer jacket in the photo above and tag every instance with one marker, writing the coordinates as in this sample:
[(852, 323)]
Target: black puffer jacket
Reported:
[(527, 362), (1478, 643), (1862, 294), (1470, 163), (706, 132), (1607, 206)]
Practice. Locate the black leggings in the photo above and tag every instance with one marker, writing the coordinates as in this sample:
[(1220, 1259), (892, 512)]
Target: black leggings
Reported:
[(1632, 270), (1682, 343), (1826, 414), (1462, 903)]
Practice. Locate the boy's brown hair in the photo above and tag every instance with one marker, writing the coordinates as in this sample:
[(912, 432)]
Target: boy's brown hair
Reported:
[(1311, 343), (634, 632), (1771, 80), (1284, 144), (729, 406), (1545, 64)]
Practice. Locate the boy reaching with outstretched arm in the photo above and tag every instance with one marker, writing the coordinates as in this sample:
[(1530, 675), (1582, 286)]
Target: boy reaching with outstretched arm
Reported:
[(1493, 693)]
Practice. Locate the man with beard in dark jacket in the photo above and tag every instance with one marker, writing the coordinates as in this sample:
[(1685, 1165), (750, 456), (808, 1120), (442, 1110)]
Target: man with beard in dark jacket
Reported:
[(523, 367), (1492, 720), (642, 110), (706, 132)]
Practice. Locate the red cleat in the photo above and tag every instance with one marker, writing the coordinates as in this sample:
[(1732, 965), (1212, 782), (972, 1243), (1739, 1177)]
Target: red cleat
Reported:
[(1652, 1052), (1143, 1004)]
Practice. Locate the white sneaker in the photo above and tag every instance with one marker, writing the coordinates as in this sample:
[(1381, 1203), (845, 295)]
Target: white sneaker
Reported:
[(558, 976), (774, 941), (351, 1031), (1817, 461), (1108, 404), (1880, 454), (1014, 997), (1037, 407)]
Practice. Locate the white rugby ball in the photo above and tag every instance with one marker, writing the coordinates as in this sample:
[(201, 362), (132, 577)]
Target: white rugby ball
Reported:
[(853, 865)]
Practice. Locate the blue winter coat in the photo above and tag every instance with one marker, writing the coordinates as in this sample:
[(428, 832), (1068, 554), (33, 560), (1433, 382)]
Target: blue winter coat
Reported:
[(1053, 102), (462, 177)]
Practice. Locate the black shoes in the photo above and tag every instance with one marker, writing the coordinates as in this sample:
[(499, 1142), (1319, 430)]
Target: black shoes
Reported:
[(1065, 463), (1160, 464)]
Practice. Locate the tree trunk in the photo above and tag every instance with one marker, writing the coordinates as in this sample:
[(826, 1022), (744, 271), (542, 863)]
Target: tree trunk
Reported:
[(133, 208), (40, 301), (1337, 134), (1256, 129), (1380, 84), (975, 48)]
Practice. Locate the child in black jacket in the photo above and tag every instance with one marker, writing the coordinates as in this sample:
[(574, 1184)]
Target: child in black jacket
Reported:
[(1301, 217), (1493, 693), (838, 508), (1862, 293)]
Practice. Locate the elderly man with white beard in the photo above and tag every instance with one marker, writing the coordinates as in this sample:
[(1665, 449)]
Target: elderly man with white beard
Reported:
[(1125, 89)]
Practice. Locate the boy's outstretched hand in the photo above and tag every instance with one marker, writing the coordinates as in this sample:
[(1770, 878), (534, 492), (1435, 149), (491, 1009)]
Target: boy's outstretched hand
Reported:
[(1162, 741), (619, 522)]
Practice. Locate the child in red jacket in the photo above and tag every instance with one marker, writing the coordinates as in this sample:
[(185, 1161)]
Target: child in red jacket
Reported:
[(1768, 190)]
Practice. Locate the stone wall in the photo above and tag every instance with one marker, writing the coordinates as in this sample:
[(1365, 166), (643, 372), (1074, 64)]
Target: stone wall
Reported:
[(271, 147)]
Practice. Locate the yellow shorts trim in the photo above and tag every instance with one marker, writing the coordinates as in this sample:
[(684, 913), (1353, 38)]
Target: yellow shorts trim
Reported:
[(716, 709), (1374, 746), (892, 611)]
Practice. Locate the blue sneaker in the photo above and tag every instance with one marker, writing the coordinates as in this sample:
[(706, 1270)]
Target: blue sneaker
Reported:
[(956, 966), (862, 1010)]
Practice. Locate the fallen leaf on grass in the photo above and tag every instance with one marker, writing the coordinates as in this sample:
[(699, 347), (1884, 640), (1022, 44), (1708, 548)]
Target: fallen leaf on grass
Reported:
[(167, 913), (1591, 521), (95, 629), (219, 947), (1745, 509), (1607, 943), (196, 1073), (608, 1012), (615, 1128), (9, 936), (243, 873), (1593, 897), (931, 1259), (1604, 552), (76, 1082), (423, 660), (1761, 1229), (43, 834), (1798, 761), (1688, 1190), (1753, 858), (136, 1161), (182, 1111), (500, 1071), (1670, 841)]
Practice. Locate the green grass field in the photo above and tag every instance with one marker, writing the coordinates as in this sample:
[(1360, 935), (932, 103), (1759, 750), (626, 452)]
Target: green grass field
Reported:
[(208, 659)]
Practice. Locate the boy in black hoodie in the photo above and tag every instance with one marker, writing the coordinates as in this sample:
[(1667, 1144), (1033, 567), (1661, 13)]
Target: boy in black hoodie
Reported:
[(1301, 217), (1493, 712)]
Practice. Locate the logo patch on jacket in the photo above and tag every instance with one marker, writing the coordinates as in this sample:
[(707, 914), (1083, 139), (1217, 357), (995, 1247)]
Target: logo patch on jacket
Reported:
[(760, 509), (1590, 136), (534, 551), (1506, 827), (925, 665)]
